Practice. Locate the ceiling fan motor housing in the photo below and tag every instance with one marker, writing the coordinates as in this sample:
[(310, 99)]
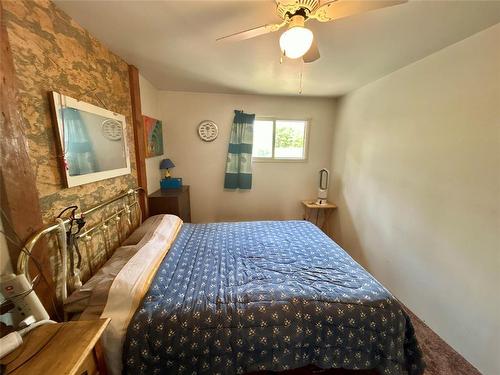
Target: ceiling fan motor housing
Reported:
[(297, 20), (289, 8)]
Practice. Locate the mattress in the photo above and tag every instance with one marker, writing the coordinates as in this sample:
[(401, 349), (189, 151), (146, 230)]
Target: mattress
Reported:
[(239, 297)]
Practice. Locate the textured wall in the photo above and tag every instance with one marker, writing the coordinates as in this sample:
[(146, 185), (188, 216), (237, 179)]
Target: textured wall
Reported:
[(52, 52)]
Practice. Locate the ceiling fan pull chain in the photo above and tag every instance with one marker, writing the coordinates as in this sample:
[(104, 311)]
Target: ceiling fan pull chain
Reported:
[(301, 71)]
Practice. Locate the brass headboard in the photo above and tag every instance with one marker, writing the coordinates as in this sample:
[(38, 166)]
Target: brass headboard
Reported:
[(121, 213)]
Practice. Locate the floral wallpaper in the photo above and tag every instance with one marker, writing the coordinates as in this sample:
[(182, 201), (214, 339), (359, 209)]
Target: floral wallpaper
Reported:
[(53, 53)]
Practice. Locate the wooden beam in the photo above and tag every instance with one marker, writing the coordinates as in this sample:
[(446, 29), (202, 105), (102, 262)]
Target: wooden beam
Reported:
[(140, 145), (21, 215)]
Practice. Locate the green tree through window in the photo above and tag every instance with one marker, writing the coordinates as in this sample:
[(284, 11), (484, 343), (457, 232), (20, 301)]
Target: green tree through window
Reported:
[(289, 137), (275, 139)]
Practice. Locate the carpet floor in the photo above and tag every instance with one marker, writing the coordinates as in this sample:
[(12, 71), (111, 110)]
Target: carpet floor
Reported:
[(439, 357)]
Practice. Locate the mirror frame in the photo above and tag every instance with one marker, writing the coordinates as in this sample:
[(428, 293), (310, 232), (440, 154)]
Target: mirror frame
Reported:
[(58, 102)]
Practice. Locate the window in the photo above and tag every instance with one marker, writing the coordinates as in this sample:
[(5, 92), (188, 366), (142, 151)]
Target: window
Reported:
[(279, 140)]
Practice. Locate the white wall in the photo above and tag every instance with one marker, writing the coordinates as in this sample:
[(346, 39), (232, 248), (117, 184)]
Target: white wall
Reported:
[(416, 156), (277, 187), (151, 108)]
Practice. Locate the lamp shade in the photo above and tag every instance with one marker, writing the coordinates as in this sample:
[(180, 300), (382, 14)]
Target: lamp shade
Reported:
[(166, 164)]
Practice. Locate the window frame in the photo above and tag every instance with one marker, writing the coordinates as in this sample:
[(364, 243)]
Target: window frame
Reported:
[(273, 159)]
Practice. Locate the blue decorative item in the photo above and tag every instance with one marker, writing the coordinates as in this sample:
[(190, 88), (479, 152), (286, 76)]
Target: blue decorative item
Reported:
[(171, 183)]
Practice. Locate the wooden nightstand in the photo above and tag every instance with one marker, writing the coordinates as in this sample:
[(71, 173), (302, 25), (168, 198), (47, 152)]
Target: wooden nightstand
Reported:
[(70, 348), (171, 201), (310, 206)]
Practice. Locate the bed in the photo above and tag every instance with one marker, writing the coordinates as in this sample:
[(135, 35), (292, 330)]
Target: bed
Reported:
[(233, 298)]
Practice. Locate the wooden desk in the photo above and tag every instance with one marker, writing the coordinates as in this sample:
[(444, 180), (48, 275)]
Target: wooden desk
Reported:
[(70, 348), (310, 206), (171, 201)]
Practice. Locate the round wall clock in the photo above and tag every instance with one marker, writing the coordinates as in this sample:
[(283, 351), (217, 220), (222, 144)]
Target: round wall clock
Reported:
[(208, 130), (112, 129)]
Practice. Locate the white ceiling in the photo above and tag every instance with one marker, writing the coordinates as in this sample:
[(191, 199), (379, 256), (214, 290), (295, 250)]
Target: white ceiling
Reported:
[(173, 42)]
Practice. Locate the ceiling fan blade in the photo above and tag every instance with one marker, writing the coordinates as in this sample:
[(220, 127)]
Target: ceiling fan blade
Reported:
[(252, 33), (344, 8), (313, 53)]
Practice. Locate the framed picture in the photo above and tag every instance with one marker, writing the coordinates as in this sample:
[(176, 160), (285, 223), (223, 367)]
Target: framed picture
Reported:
[(92, 141), (153, 136)]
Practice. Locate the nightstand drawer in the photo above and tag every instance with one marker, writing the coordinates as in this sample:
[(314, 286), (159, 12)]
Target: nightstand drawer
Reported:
[(89, 366)]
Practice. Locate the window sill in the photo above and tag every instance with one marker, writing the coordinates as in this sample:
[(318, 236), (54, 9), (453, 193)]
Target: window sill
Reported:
[(278, 160)]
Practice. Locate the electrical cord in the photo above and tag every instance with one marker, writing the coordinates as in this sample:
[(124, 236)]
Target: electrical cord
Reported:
[(71, 241), (72, 208), (28, 329)]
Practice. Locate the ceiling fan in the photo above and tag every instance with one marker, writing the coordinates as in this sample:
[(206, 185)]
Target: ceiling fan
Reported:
[(298, 41)]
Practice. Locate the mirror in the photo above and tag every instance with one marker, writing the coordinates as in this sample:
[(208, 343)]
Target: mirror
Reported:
[(92, 141)]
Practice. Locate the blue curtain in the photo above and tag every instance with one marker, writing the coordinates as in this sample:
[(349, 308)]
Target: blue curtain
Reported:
[(239, 156), (78, 150)]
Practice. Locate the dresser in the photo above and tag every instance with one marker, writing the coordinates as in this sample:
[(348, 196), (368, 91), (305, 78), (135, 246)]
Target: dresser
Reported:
[(171, 201)]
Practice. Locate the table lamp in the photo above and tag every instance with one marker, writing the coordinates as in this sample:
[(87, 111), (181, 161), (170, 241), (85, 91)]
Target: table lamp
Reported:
[(168, 182), (165, 165)]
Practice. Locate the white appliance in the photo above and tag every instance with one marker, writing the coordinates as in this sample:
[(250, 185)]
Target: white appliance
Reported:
[(17, 289), (324, 179), (27, 311)]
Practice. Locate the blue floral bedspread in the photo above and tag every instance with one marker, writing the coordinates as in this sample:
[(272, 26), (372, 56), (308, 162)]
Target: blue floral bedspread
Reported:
[(239, 297)]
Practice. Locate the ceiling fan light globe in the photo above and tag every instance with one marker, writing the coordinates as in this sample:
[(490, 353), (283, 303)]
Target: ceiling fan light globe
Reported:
[(296, 41)]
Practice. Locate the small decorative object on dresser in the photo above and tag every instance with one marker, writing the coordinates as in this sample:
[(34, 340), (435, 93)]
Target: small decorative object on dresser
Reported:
[(166, 165), (62, 348), (171, 201), (169, 182)]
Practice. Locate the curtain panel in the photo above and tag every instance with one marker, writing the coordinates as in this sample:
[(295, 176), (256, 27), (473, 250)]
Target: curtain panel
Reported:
[(239, 155), (78, 150)]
